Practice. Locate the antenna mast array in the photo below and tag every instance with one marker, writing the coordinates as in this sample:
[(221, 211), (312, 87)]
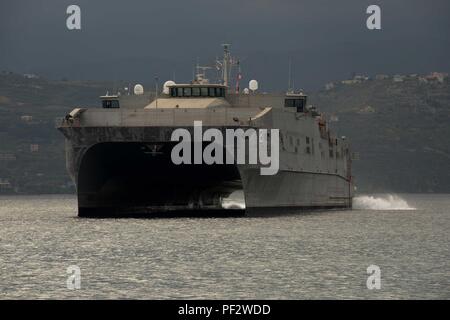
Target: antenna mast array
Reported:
[(226, 64), (200, 76)]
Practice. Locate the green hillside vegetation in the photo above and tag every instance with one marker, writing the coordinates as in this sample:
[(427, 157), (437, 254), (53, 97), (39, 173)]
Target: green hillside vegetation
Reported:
[(42, 102), (400, 129)]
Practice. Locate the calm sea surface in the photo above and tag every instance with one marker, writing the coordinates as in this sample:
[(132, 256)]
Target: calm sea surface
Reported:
[(317, 255)]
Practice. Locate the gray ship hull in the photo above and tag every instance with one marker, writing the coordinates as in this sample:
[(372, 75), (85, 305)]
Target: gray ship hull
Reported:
[(126, 170)]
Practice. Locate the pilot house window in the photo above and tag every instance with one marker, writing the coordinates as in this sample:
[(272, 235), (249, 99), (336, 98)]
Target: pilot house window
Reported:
[(298, 103), (109, 104), (187, 92), (197, 92)]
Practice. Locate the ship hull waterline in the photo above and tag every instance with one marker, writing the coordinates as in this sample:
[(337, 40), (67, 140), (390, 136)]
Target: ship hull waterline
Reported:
[(138, 179)]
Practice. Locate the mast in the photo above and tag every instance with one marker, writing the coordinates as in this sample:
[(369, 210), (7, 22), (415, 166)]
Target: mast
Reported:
[(225, 63), (290, 80)]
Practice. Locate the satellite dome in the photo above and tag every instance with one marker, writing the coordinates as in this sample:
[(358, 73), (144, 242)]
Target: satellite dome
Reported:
[(138, 89), (166, 86), (253, 85)]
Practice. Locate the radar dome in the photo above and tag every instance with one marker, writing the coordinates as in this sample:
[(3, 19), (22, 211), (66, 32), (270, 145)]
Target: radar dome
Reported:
[(253, 85), (138, 89), (166, 86)]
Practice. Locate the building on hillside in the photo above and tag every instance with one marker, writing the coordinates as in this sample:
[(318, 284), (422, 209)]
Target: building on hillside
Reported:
[(352, 81), (360, 78), (381, 77), (398, 78), (31, 76), (423, 80), (34, 148), (437, 76), (5, 184), (26, 118), (7, 157)]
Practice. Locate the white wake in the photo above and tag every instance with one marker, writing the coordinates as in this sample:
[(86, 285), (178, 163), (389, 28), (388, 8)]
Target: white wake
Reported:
[(235, 200), (382, 202)]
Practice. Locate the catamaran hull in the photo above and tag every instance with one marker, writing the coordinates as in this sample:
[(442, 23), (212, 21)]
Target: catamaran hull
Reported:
[(139, 179), (127, 170)]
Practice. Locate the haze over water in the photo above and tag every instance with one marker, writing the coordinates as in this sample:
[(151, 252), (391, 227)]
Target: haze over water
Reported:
[(306, 256)]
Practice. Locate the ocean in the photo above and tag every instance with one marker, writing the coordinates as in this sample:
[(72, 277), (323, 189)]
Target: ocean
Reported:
[(310, 255)]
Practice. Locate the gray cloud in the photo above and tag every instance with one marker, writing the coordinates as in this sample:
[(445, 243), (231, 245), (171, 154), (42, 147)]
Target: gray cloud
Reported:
[(135, 40)]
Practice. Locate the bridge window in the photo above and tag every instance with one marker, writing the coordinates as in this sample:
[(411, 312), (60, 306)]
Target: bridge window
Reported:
[(298, 103), (110, 104), (187, 92), (219, 92), (196, 92), (204, 92), (289, 103)]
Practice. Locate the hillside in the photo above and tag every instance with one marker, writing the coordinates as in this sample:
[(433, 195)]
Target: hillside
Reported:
[(32, 158), (400, 129)]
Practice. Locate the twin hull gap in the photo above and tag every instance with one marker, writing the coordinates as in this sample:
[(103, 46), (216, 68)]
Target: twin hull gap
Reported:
[(134, 178)]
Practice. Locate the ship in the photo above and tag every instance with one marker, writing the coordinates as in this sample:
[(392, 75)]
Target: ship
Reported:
[(120, 154)]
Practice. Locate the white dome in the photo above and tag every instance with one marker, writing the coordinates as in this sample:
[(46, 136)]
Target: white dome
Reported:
[(253, 85), (138, 90), (166, 86)]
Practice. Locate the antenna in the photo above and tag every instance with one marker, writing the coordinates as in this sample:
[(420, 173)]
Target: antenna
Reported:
[(238, 77), (226, 64), (289, 75), (200, 75), (290, 78), (156, 91)]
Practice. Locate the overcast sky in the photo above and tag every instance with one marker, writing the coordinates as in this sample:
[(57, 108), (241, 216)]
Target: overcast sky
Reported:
[(137, 39)]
